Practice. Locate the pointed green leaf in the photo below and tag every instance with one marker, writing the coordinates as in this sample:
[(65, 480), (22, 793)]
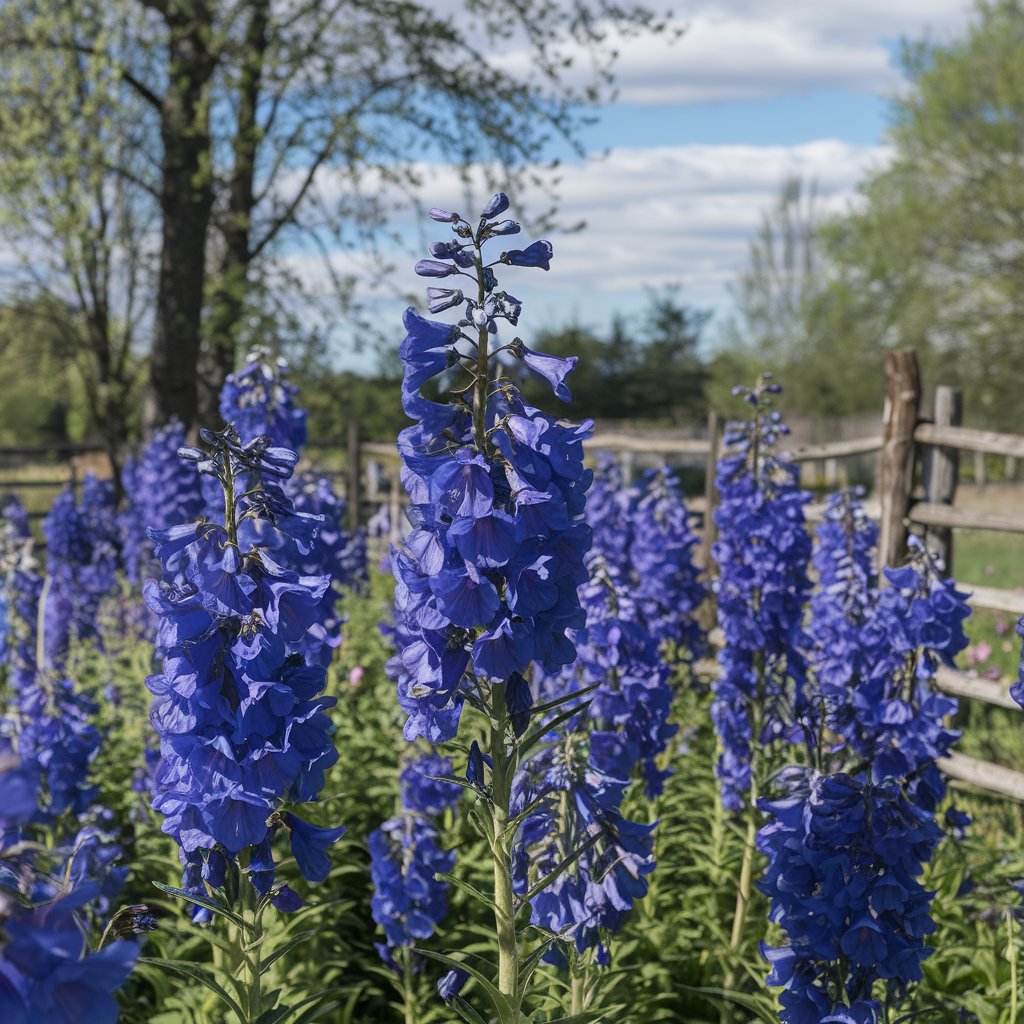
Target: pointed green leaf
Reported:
[(209, 904), (501, 1004), (465, 1011), (470, 890), (718, 995), (541, 731), (285, 947), (543, 709), (196, 973)]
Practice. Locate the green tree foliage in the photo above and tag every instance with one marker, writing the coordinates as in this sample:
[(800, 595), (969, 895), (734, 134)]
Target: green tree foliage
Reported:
[(260, 136), (78, 224), (933, 257), (793, 317), (43, 396), (651, 371)]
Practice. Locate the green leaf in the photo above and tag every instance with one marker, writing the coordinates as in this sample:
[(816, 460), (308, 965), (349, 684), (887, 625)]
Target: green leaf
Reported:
[(470, 890), (716, 995), (587, 1016), (541, 731), (542, 709), (561, 866), (209, 904), (196, 973), (501, 1004), (465, 1011), (285, 947), (312, 1009)]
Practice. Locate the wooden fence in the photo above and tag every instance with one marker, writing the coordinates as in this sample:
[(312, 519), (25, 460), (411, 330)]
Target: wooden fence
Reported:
[(916, 486)]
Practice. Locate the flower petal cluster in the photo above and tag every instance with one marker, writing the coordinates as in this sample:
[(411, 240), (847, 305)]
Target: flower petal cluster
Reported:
[(82, 560), (901, 717), (486, 580), (630, 705), (577, 811), (161, 491), (845, 855), (665, 581), (46, 974), (762, 553), (405, 855), (260, 400), (238, 703)]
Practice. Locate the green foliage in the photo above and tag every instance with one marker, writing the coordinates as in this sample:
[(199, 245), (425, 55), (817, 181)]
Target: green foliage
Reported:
[(931, 258)]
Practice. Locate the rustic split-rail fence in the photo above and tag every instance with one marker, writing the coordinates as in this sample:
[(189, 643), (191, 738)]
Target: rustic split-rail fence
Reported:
[(918, 463)]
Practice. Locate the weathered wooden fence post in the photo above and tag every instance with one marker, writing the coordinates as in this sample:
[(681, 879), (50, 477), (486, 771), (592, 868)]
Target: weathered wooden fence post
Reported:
[(896, 463), (353, 474), (941, 470), (710, 491)]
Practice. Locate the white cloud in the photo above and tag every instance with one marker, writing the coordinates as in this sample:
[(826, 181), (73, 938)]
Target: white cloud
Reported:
[(657, 216), (742, 49)]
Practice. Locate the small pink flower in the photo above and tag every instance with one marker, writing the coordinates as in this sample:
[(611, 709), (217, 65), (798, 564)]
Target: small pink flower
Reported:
[(1002, 627), (979, 653), (356, 675)]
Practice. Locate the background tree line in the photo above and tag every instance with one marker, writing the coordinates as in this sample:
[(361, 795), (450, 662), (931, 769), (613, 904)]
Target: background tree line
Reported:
[(164, 161)]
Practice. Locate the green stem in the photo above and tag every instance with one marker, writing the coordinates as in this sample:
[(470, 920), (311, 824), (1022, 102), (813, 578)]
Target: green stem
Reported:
[(578, 993), (483, 370), (1011, 954), (408, 989), (504, 899)]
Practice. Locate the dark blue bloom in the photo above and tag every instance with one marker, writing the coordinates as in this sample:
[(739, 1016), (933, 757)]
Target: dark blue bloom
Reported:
[(486, 580), (405, 854), (237, 706), (160, 491), (762, 552), (845, 856), (576, 811), (539, 254)]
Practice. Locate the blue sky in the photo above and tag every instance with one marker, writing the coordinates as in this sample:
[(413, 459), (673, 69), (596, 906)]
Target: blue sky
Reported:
[(679, 171)]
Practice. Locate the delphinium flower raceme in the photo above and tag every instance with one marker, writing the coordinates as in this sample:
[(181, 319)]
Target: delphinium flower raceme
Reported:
[(49, 719), (48, 974), (611, 502), (238, 705), (762, 555), (847, 838), (665, 581), (579, 863), (406, 856), (486, 581), (762, 585), (82, 560), (161, 491), (845, 858), (261, 400)]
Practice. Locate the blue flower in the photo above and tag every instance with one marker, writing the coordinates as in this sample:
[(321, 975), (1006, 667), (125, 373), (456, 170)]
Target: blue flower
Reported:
[(309, 846), (237, 705), (844, 859), (486, 580), (762, 553), (539, 254)]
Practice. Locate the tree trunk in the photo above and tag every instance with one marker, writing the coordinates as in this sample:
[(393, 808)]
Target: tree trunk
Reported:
[(186, 199), (228, 291)]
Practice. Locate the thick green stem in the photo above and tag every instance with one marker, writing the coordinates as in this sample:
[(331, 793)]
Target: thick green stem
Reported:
[(578, 993), (408, 987), (504, 898)]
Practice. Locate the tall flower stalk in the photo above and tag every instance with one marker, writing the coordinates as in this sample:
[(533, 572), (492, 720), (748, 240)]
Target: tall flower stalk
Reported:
[(238, 706), (486, 582)]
